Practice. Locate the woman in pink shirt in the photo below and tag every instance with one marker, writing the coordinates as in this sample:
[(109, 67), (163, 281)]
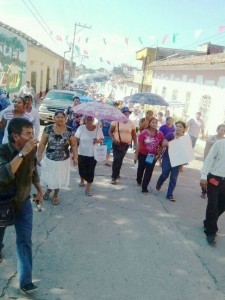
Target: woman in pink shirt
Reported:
[(149, 142)]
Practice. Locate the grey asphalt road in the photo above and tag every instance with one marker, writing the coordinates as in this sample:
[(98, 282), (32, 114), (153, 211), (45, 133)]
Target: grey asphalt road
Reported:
[(121, 244)]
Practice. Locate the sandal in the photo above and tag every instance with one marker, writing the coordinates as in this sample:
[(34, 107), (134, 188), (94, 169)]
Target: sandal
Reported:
[(108, 164), (88, 193), (55, 200), (81, 184), (46, 196)]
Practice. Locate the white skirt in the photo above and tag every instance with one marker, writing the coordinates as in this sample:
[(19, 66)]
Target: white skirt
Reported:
[(55, 174)]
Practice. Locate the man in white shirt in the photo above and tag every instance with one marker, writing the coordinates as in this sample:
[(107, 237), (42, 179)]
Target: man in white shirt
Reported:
[(135, 117), (28, 89), (213, 178), (195, 126), (34, 113)]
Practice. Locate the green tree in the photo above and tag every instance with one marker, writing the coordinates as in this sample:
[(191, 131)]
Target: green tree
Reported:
[(3, 42), (16, 47)]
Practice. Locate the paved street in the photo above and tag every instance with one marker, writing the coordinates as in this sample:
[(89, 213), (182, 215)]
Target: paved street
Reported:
[(121, 244)]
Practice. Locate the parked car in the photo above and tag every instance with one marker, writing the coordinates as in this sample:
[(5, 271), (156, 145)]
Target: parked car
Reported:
[(81, 92), (56, 100)]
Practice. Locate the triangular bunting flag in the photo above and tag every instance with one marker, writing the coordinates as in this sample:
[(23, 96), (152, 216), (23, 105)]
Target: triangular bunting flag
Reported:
[(221, 29), (175, 37), (108, 62), (78, 49), (104, 40), (101, 60), (126, 41), (140, 40), (59, 38), (165, 38), (86, 40), (198, 33), (69, 43), (151, 37)]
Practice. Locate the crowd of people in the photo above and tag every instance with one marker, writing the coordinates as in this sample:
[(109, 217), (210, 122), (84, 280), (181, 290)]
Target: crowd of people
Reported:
[(73, 137)]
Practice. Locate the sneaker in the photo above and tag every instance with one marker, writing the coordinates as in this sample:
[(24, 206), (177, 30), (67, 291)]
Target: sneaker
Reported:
[(211, 238), (171, 198), (113, 181), (29, 288), (1, 258), (204, 196)]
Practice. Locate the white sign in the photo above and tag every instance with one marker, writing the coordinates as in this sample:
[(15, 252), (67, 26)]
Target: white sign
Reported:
[(181, 151)]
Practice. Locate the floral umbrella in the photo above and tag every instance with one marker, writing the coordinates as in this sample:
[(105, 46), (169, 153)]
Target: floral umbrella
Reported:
[(100, 110), (146, 98)]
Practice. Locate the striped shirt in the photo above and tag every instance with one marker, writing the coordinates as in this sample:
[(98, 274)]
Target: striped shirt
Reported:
[(9, 115), (215, 161)]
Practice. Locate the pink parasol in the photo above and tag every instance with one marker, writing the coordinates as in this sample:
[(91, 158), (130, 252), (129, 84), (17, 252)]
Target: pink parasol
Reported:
[(100, 110)]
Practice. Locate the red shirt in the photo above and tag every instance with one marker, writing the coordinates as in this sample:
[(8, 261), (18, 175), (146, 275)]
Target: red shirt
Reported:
[(149, 143)]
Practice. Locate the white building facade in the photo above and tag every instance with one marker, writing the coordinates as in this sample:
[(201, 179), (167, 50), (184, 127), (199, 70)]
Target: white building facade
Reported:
[(198, 83)]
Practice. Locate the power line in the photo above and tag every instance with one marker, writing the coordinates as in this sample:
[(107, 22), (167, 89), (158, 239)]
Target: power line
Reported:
[(40, 16), (204, 40), (38, 21)]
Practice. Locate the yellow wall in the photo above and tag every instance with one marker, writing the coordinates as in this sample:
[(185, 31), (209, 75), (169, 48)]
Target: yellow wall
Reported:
[(39, 60), (146, 52)]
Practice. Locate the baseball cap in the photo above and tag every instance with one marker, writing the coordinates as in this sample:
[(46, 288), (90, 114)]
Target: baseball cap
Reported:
[(125, 110), (27, 96)]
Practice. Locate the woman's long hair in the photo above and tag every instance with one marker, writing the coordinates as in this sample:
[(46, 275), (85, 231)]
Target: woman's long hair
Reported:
[(149, 127)]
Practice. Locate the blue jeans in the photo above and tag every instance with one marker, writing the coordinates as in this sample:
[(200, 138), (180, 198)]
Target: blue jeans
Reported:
[(23, 227), (193, 141), (167, 170)]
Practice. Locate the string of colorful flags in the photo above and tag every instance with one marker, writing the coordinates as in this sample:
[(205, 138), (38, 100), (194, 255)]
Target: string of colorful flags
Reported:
[(105, 41)]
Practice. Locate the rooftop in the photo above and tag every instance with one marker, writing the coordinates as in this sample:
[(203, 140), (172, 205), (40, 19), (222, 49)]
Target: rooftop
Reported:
[(29, 39), (192, 60)]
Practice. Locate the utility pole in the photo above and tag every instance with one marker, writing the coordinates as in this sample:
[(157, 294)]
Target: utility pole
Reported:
[(143, 75), (73, 45)]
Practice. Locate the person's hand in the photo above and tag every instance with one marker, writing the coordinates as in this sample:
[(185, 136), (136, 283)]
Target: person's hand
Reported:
[(203, 183), (29, 146), (75, 161), (39, 197), (181, 168), (203, 137)]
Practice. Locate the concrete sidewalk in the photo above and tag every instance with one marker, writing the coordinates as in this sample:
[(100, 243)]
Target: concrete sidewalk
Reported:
[(121, 244)]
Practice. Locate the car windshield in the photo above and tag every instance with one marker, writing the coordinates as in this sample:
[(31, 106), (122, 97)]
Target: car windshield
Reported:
[(80, 92), (59, 96)]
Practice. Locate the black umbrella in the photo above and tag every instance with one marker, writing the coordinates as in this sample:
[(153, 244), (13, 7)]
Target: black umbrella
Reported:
[(146, 98)]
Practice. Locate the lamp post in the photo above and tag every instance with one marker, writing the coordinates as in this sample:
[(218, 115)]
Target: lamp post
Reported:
[(64, 54)]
